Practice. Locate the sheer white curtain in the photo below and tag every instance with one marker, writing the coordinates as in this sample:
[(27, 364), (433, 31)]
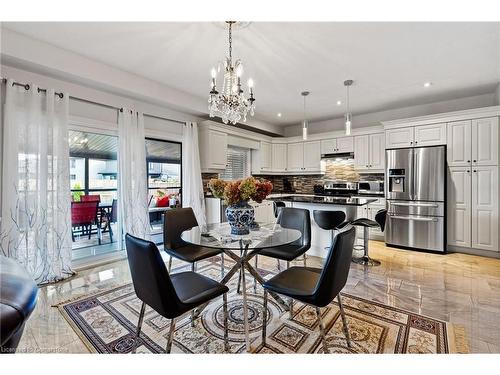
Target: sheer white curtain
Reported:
[(132, 184), (192, 186), (36, 222)]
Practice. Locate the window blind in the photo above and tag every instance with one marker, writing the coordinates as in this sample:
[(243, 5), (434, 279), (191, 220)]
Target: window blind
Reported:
[(237, 163)]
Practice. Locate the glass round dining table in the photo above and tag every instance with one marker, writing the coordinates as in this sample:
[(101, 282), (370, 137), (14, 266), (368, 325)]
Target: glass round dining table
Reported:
[(241, 249)]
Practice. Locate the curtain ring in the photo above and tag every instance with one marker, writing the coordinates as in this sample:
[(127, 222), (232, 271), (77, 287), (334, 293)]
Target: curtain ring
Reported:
[(61, 95), (26, 87)]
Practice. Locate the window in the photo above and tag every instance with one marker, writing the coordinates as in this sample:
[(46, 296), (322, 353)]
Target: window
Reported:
[(238, 165)]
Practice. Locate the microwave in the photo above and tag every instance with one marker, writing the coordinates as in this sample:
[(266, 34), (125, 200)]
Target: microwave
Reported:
[(371, 187)]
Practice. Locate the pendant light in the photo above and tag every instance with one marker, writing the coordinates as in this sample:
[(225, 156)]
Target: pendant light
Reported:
[(348, 115), (304, 122)]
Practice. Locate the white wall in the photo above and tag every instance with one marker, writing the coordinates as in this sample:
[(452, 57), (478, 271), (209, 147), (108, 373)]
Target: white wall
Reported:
[(497, 94), (374, 118)]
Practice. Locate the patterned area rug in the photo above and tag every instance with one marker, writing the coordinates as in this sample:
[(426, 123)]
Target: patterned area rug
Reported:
[(107, 321)]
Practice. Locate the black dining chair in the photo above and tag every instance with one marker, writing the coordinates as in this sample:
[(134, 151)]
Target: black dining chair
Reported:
[(314, 286), (169, 295), (330, 220), (380, 218), (291, 218), (277, 205), (175, 222)]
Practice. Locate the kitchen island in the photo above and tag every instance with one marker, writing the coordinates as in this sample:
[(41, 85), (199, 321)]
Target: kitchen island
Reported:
[(321, 239)]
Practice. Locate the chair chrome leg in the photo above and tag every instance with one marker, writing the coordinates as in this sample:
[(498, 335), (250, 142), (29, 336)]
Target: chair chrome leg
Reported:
[(254, 279), (279, 265), (170, 264), (193, 267), (222, 269), (238, 289), (345, 327), (290, 305), (365, 260), (305, 260), (322, 330), (264, 319), (139, 326), (226, 330), (170, 336)]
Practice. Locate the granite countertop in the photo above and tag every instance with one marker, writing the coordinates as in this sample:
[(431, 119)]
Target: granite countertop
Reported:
[(326, 200)]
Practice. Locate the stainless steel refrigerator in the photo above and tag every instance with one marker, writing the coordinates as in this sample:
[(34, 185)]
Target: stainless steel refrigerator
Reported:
[(415, 181)]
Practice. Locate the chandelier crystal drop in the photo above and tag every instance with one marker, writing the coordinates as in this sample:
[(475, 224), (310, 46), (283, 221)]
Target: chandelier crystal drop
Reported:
[(230, 104)]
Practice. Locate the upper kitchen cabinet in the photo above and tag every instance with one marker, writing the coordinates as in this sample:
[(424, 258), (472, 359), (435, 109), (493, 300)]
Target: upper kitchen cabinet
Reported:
[(459, 143), (430, 135), (213, 150), (295, 157), (369, 151), (312, 156), (304, 157), (485, 141), (473, 142), (337, 145), (399, 138), (416, 136), (279, 157), (262, 158)]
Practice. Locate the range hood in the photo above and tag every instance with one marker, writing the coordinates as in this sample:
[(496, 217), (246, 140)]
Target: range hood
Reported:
[(339, 155)]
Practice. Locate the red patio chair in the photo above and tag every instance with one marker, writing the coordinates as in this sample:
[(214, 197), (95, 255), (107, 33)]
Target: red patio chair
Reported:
[(91, 198), (84, 215)]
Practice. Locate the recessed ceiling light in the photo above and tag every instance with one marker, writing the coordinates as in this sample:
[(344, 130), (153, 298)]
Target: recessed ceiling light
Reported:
[(427, 84), (279, 114), (339, 102)]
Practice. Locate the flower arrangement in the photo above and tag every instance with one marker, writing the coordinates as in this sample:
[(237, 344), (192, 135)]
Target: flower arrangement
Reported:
[(235, 192)]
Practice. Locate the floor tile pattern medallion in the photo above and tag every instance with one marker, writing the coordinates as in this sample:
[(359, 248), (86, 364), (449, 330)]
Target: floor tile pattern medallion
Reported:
[(107, 321)]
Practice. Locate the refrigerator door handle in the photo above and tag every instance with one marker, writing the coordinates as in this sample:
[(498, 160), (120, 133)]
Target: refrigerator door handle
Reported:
[(410, 218), (416, 204)]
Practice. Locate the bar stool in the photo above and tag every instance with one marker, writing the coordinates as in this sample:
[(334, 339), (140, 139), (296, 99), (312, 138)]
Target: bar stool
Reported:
[(366, 223), (330, 220)]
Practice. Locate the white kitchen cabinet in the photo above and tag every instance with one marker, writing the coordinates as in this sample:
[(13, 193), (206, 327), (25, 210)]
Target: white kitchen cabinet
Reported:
[(262, 158), (295, 157), (416, 136), (399, 138), (459, 144), (377, 151), (459, 206), (361, 151), (337, 145), (369, 152), (485, 207), (279, 157), (485, 141), (213, 150), (429, 135), (312, 156), (304, 157)]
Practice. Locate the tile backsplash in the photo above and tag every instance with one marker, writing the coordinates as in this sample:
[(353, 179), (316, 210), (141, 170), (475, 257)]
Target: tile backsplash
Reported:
[(337, 170)]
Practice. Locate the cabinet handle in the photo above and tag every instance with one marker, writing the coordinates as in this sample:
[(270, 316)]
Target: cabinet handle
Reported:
[(475, 170), (411, 142), (416, 142), (468, 161), (468, 171), (474, 161)]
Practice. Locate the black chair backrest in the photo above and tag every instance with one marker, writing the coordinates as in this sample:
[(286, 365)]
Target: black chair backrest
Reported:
[(299, 219), (150, 277), (114, 211), (328, 219), (336, 269), (175, 222), (276, 206), (380, 218)]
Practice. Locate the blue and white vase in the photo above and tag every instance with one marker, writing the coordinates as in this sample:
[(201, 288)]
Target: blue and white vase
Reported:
[(240, 217)]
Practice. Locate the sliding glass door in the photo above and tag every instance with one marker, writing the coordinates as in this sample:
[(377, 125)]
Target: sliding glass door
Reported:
[(94, 194)]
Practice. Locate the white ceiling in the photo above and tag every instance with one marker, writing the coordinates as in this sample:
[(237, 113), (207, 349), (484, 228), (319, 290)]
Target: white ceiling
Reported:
[(389, 62)]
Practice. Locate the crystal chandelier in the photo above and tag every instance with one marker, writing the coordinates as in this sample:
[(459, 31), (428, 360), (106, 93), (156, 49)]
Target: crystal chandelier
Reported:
[(230, 104)]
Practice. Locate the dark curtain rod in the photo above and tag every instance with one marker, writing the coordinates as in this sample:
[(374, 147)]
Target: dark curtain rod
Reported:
[(27, 87), (61, 95)]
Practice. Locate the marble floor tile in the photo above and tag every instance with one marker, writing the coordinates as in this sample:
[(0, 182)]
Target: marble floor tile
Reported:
[(459, 288)]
